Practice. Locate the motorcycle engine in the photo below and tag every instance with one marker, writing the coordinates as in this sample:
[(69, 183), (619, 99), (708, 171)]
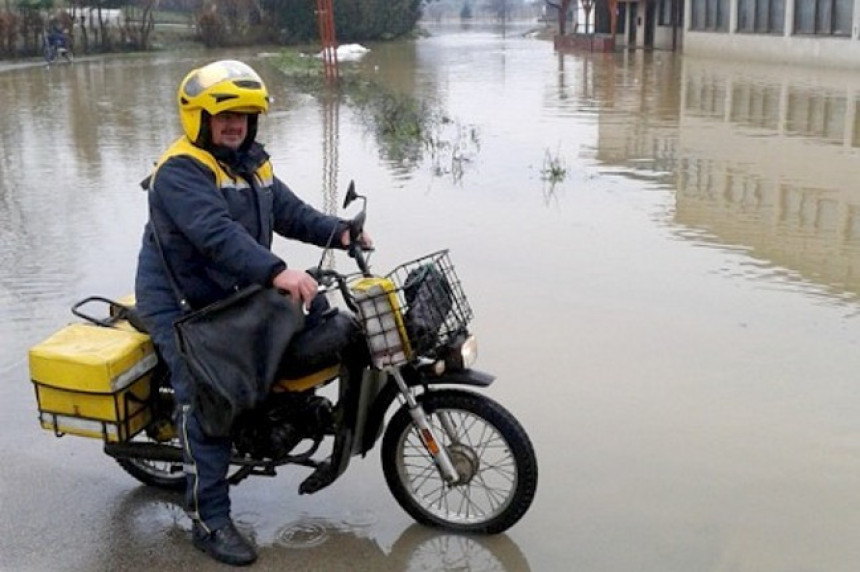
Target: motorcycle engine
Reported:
[(275, 428)]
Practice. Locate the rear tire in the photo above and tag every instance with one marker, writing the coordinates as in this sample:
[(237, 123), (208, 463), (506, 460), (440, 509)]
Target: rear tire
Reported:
[(160, 474), (489, 448), (166, 475)]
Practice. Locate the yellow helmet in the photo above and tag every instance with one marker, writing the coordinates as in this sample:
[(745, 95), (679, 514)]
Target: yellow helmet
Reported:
[(225, 85)]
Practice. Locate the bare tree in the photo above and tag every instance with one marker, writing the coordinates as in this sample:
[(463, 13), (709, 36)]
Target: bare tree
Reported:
[(139, 22)]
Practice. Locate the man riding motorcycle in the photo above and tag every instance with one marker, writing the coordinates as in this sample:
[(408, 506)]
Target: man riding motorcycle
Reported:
[(216, 203), (57, 38)]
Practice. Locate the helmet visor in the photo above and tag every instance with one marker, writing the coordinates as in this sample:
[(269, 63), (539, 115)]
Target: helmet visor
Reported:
[(224, 70)]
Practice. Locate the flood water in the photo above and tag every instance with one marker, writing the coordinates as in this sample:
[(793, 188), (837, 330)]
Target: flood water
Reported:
[(673, 316)]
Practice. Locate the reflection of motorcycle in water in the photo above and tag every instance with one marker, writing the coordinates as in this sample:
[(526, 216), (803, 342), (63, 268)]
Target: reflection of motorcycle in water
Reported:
[(419, 548), (150, 526), (326, 544), (451, 457)]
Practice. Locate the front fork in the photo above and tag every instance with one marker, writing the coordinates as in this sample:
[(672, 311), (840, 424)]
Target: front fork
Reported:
[(425, 431)]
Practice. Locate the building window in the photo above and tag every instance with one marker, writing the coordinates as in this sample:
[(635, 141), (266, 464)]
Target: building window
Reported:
[(823, 17), (666, 17), (761, 16), (710, 15)]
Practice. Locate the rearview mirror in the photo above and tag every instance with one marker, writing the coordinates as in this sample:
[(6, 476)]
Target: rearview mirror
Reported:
[(351, 195)]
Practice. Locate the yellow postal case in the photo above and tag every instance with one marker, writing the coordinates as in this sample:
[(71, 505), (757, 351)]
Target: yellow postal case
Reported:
[(93, 381)]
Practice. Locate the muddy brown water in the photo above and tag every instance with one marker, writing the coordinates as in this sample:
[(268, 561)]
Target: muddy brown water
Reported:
[(663, 256)]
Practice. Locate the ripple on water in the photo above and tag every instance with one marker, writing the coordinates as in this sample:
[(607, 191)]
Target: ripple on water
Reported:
[(361, 518), (305, 533)]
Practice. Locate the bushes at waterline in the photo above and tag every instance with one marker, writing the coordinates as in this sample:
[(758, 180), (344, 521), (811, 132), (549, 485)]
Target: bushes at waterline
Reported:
[(232, 22)]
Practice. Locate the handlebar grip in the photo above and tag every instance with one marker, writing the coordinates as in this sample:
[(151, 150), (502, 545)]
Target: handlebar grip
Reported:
[(356, 226)]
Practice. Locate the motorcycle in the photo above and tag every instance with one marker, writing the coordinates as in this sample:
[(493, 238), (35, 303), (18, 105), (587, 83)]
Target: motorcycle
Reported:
[(56, 49), (451, 456)]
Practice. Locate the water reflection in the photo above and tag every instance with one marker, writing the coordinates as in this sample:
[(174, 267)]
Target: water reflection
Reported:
[(761, 160), (637, 98), (331, 114), (765, 164), (420, 548), (72, 138), (148, 528)]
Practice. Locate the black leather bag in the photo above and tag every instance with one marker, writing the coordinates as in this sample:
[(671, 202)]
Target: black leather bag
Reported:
[(233, 349)]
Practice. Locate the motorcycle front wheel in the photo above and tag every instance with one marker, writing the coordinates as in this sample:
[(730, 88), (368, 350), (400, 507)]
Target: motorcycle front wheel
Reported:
[(491, 451)]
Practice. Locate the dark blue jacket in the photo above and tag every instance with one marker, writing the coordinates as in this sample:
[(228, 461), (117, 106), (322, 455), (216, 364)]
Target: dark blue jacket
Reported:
[(216, 227)]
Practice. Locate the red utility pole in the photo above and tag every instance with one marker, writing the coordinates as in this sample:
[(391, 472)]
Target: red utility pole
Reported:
[(325, 19)]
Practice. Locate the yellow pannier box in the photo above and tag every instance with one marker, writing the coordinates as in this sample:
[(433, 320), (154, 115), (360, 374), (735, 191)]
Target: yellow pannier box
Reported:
[(94, 381)]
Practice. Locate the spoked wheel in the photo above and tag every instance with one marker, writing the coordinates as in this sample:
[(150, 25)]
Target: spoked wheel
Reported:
[(168, 475), (492, 453), (161, 474)]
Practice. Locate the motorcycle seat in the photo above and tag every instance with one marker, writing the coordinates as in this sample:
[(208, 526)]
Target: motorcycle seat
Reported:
[(306, 382), (320, 347)]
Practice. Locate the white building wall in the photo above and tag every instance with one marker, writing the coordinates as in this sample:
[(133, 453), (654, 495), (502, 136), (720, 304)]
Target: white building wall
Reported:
[(663, 37), (788, 48)]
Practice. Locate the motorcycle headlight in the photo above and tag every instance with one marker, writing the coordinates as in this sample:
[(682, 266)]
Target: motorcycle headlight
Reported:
[(469, 352), (461, 355)]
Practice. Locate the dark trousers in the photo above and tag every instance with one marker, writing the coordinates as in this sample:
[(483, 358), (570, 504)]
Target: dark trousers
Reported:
[(206, 458)]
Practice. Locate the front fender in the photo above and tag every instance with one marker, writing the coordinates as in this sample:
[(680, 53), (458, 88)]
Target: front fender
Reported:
[(414, 378)]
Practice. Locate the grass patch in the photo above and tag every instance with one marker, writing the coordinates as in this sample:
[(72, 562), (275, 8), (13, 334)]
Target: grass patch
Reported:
[(554, 170)]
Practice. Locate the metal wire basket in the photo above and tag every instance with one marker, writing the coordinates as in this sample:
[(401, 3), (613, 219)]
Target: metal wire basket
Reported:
[(414, 311)]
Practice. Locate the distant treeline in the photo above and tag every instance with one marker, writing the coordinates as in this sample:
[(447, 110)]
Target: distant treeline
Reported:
[(113, 25)]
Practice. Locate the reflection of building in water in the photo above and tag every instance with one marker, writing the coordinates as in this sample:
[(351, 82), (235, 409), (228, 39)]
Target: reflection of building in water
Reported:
[(765, 163), (638, 128), (762, 159)]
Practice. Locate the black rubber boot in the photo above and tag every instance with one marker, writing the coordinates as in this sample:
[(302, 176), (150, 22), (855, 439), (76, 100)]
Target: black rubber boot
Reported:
[(225, 544)]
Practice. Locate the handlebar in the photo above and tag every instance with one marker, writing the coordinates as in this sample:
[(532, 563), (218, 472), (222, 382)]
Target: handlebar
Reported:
[(355, 249), (356, 252), (328, 278)]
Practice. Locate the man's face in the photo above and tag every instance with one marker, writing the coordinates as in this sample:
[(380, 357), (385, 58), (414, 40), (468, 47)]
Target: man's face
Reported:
[(229, 129)]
